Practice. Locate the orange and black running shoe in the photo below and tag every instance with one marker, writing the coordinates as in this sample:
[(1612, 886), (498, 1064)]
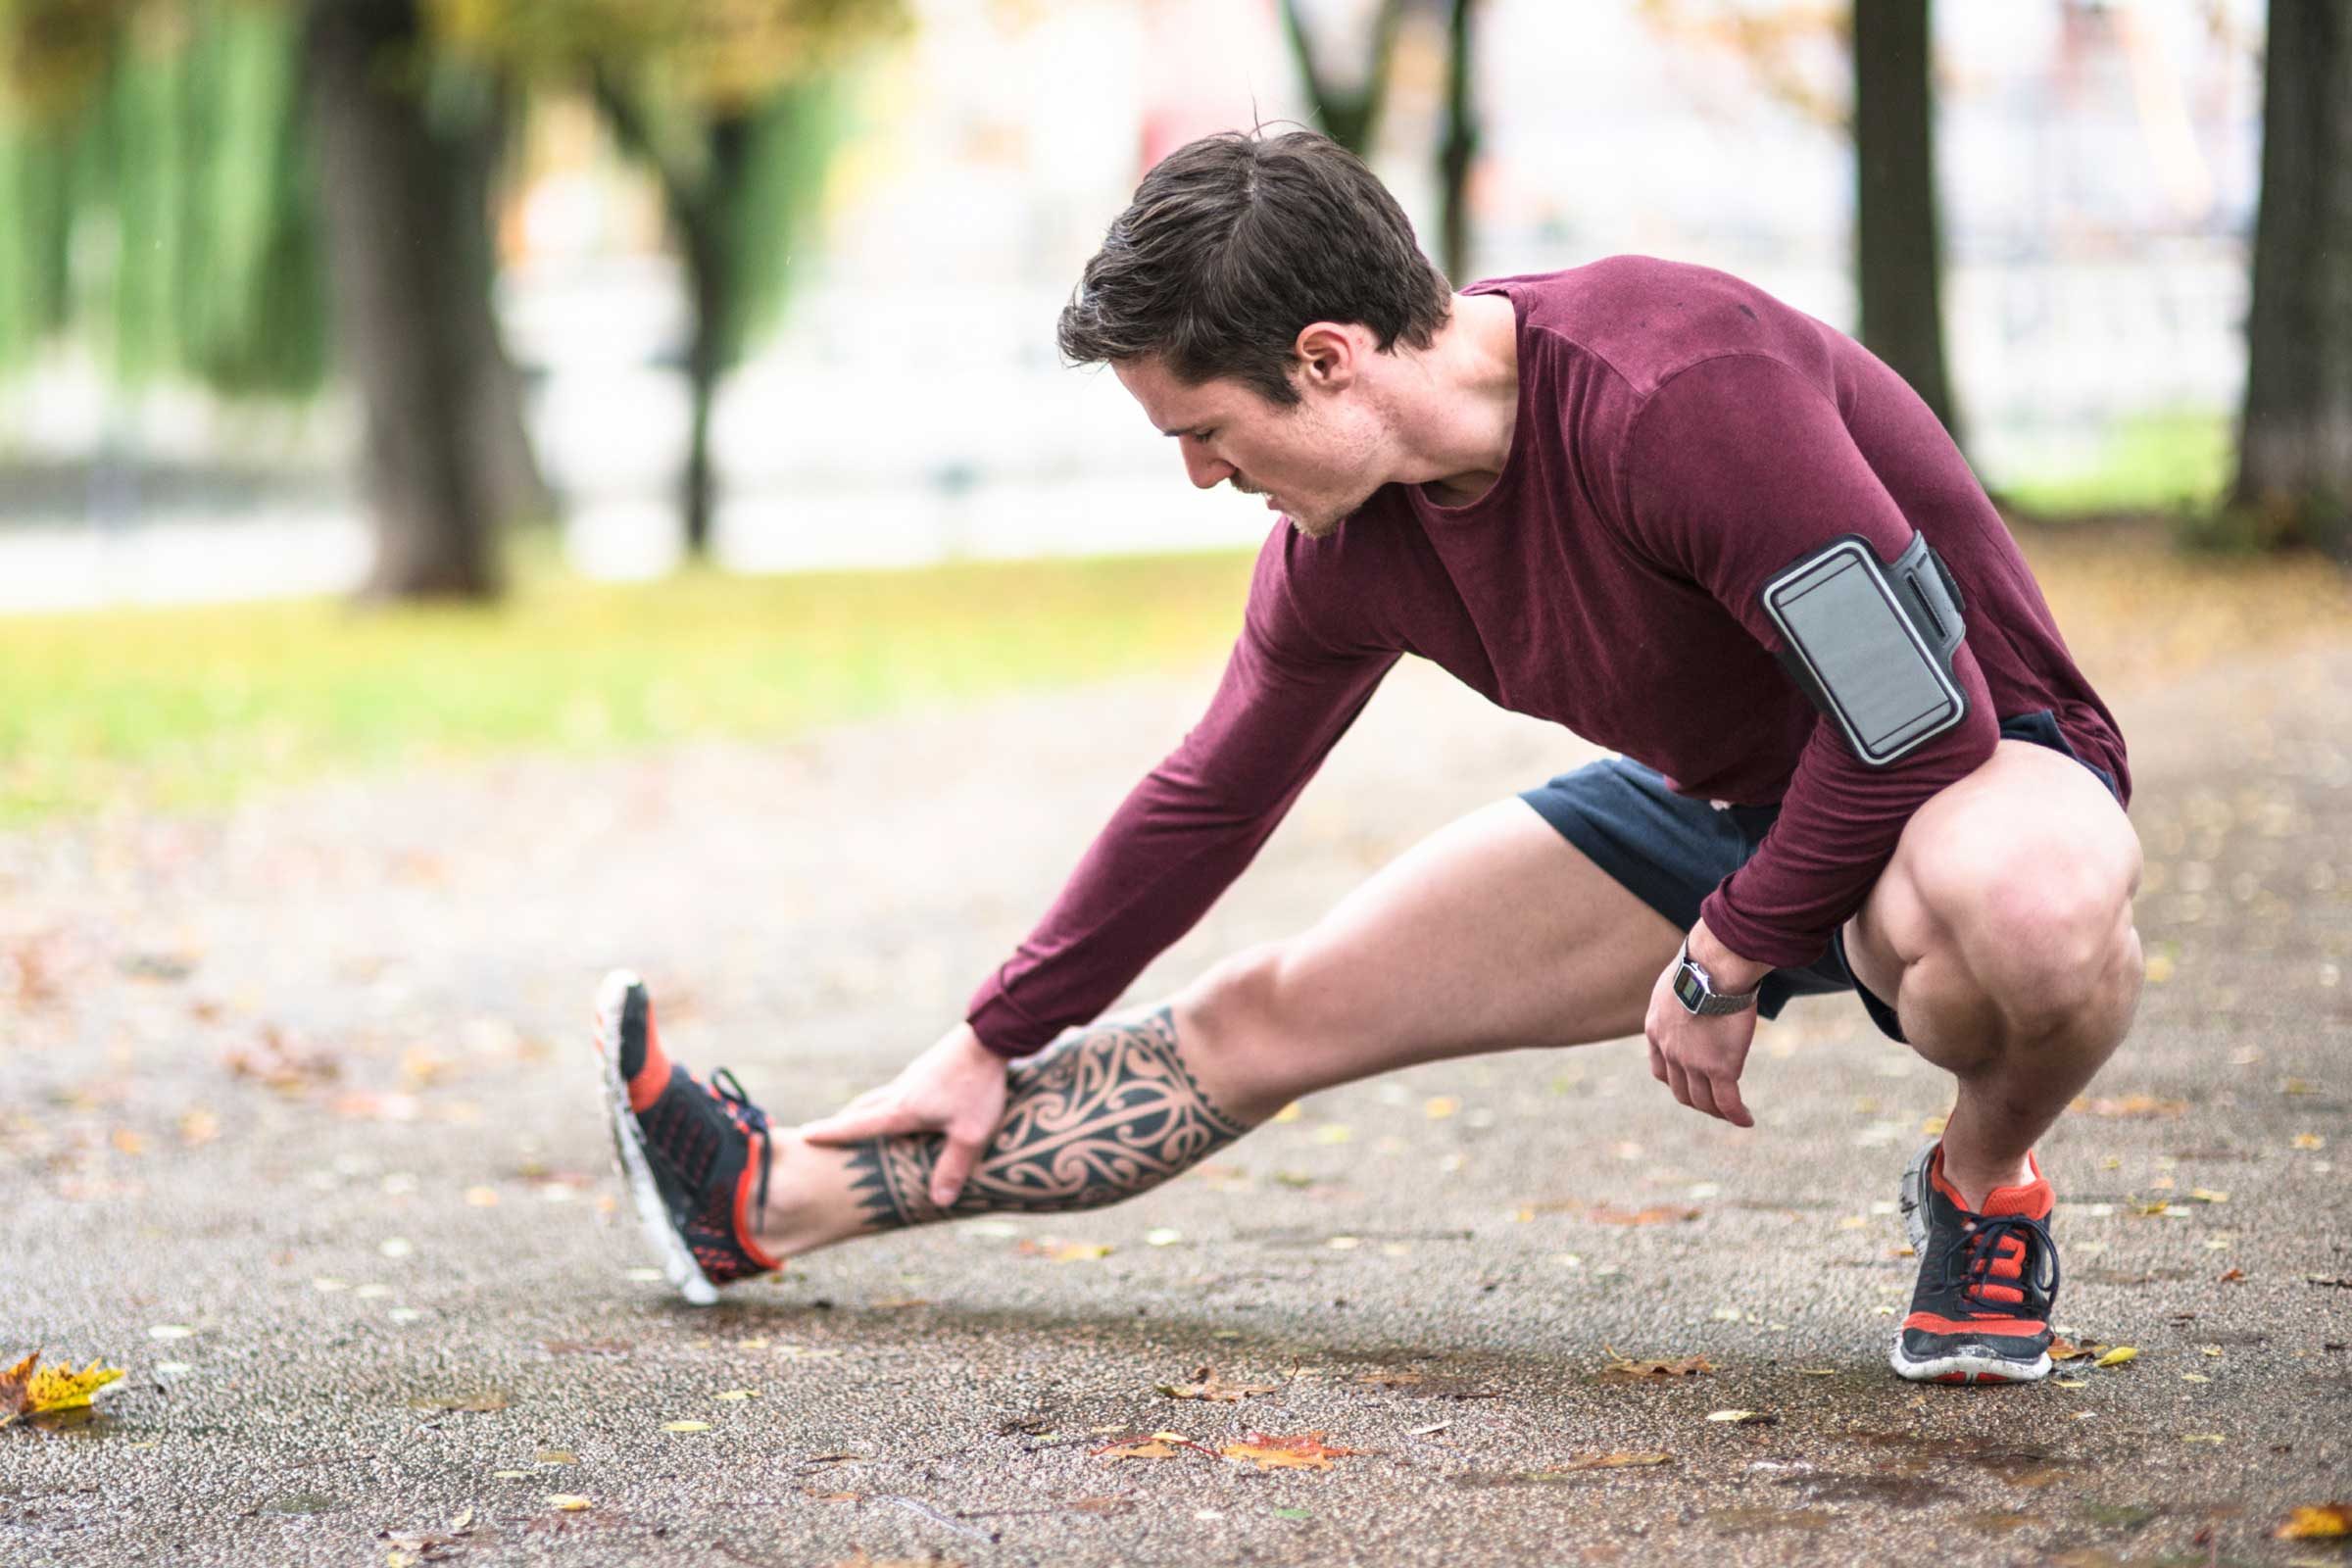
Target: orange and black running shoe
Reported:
[(1986, 1281), (695, 1155)]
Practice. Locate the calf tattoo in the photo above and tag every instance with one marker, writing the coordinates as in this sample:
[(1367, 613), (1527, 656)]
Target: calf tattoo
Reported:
[(1094, 1119)]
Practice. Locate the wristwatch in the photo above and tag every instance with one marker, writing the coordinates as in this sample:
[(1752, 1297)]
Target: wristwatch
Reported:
[(1697, 994)]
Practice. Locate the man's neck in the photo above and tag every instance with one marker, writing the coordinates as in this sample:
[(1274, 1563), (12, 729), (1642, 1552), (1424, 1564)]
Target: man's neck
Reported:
[(1457, 409)]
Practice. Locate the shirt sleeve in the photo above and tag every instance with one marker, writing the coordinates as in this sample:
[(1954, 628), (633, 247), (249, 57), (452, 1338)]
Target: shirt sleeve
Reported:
[(1191, 825), (1737, 467)]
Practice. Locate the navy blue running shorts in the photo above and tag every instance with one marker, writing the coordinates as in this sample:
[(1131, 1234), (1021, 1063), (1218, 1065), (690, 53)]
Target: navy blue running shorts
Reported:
[(1671, 851)]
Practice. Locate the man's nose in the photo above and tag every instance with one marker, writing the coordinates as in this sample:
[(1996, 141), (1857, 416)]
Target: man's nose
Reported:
[(1205, 471)]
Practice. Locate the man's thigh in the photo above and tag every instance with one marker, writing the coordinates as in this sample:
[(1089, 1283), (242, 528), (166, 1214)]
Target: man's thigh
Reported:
[(2025, 819), (1492, 934)]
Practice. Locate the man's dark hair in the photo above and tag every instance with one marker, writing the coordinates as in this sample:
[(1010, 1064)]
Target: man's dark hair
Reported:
[(1233, 244)]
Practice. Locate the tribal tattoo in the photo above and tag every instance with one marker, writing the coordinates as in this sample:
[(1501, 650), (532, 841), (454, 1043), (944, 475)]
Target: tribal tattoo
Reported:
[(1094, 1119)]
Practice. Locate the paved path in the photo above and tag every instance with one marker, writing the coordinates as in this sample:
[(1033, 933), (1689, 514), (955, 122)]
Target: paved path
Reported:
[(307, 1087)]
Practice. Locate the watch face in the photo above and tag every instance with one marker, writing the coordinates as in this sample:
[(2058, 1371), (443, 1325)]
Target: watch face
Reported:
[(1689, 989)]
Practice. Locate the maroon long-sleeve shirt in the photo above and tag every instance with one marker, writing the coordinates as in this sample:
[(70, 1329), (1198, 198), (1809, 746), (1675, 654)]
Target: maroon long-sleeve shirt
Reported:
[(1682, 437)]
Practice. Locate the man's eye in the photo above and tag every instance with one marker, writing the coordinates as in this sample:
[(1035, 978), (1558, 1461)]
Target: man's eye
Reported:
[(1202, 435)]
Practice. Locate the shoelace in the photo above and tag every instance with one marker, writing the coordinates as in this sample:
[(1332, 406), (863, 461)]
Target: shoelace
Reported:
[(724, 1086), (1968, 1262)]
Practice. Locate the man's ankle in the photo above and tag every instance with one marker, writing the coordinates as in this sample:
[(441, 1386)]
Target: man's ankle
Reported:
[(1976, 1182)]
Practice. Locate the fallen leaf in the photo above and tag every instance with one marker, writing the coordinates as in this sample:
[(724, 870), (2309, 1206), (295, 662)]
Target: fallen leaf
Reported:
[(2310, 1141), (738, 1393), (1307, 1451), (1061, 1252), (2117, 1356), (1655, 1214), (1745, 1418), (2333, 1282), (569, 1501), (1618, 1462), (685, 1426), (1637, 1371), (1137, 1451), (2203, 1437), (2232, 1276), (2328, 1521), (2140, 1106), (1207, 1385), (555, 1456), (478, 1403), (30, 1389)]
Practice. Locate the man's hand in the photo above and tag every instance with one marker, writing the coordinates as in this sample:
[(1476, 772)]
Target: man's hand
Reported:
[(1701, 1058), (958, 1087)]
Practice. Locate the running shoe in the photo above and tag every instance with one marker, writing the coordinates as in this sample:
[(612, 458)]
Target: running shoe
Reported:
[(695, 1155), (1988, 1280)]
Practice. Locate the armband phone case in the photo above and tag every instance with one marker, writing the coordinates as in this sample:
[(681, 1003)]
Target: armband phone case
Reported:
[(1871, 644)]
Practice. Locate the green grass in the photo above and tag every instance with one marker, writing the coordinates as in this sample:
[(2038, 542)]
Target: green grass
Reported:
[(2150, 462), (195, 707)]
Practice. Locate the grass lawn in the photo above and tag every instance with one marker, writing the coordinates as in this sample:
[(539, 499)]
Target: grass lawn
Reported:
[(194, 706)]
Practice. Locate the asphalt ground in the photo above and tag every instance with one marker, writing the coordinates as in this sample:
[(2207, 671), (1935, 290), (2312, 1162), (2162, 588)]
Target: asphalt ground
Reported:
[(299, 1126)]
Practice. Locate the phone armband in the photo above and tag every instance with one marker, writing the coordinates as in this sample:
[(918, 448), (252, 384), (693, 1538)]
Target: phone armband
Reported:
[(1871, 643)]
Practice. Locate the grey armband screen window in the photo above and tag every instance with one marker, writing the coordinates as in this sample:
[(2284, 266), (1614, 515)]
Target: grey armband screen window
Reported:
[(1872, 644)]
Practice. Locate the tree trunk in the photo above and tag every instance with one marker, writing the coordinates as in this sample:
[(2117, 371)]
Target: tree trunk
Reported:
[(510, 463), (2295, 441), (1460, 147), (1348, 115), (1898, 256), (408, 273), (704, 221)]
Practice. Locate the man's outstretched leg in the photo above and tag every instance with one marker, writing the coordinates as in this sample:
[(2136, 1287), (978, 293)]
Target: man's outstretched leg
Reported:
[(1494, 934)]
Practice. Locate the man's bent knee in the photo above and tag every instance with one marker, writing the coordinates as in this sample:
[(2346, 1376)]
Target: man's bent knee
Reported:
[(1228, 1023), (2043, 928)]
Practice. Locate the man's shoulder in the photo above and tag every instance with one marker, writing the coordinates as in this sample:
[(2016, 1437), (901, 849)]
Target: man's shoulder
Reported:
[(1647, 319)]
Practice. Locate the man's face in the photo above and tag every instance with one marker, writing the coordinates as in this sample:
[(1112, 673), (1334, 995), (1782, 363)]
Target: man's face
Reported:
[(1312, 460)]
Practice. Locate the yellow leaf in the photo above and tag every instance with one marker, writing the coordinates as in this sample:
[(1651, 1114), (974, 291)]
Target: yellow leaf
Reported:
[(2310, 1141), (1442, 1106), (740, 1393), (2328, 1521), (2117, 1356), (685, 1426), (1743, 1418), (2203, 1437), (569, 1501), (60, 1387)]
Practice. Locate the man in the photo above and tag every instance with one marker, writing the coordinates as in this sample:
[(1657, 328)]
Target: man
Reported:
[(1613, 497)]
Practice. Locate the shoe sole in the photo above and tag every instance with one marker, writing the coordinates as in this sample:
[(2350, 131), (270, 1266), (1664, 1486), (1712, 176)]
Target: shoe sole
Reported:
[(1912, 1199), (628, 1148)]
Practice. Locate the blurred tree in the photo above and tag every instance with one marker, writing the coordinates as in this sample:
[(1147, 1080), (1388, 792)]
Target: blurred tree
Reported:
[(1458, 151), (404, 197), (184, 191), (2294, 477), (732, 110), (1898, 256), (1346, 99)]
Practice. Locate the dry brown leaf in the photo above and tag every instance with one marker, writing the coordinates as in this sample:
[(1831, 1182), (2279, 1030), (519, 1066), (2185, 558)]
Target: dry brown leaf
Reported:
[(2064, 1350), (862, 1561), (2231, 1276), (1380, 1379), (1618, 1462), (1306, 1451), (2132, 1106), (2328, 1521), (1655, 1214), (1639, 1371), (1207, 1385), (1151, 1445), (481, 1403)]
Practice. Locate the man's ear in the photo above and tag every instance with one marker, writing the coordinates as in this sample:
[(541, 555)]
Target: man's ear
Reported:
[(1330, 354)]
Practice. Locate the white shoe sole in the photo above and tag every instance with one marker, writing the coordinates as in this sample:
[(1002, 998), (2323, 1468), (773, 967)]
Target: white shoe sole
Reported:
[(1912, 1199), (628, 1148)]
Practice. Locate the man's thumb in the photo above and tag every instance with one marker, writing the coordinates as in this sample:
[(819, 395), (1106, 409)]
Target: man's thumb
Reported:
[(852, 1126)]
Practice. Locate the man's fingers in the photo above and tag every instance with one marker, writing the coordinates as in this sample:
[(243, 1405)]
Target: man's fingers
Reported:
[(1678, 1080), (1657, 1062), (955, 1163), (1702, 1094), (1727, 1104), (850, 1125)]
